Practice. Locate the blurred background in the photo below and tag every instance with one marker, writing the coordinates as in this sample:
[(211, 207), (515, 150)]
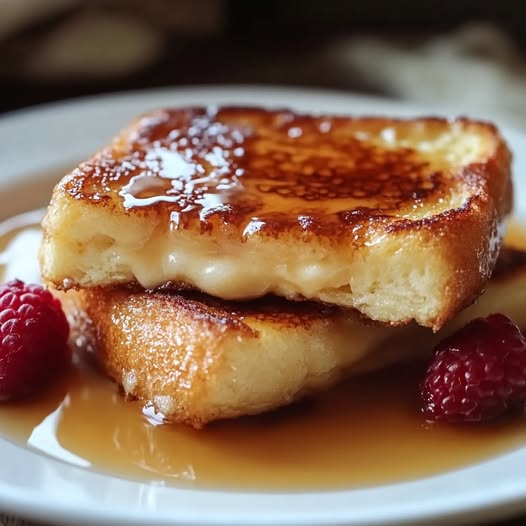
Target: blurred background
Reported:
[(465, 54)]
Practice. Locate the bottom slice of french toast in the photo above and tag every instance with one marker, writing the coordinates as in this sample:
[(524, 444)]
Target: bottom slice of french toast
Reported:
[(197, 359)]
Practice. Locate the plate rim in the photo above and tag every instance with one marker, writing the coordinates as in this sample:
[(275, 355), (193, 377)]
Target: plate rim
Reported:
[(467, 504)]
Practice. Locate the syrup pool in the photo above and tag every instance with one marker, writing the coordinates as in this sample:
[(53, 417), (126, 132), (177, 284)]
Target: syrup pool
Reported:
[(365, 432)]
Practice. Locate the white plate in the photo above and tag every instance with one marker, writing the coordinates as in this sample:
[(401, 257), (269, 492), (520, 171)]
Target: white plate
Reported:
[(39, 487)]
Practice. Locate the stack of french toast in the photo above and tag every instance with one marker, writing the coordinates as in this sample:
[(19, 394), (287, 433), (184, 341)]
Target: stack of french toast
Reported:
[(231, 260)]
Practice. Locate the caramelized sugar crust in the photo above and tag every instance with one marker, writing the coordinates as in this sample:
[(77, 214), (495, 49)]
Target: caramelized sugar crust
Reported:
[(254, 171)]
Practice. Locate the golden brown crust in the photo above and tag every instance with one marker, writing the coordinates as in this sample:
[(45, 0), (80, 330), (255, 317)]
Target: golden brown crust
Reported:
[(179, 350), (252, 171)]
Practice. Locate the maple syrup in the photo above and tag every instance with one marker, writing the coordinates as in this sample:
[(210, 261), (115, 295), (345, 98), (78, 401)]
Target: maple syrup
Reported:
[(367, 431)]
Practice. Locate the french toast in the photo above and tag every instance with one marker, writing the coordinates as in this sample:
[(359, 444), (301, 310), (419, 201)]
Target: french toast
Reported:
[(196, 359), (398, 219)]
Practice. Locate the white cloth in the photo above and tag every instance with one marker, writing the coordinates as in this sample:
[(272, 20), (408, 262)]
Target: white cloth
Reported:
[(17, 13), (476, 70)]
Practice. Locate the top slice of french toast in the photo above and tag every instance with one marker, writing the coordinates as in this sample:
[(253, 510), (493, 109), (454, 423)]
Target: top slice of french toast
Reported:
[(399, 219)]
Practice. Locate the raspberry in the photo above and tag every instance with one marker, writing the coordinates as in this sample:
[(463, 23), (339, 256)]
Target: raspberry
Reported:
[(33, 339), (478, 373)]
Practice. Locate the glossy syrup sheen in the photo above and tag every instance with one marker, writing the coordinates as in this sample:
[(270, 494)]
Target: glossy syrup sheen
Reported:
[(268, 171), (367, 431)]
